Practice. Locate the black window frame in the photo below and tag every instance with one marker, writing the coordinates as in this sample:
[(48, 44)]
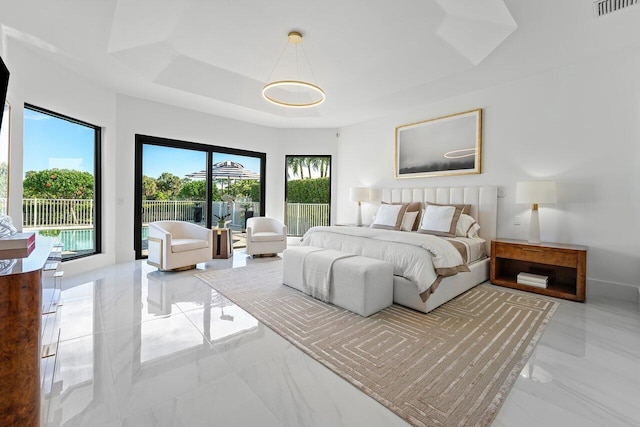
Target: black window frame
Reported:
[(97, 176)]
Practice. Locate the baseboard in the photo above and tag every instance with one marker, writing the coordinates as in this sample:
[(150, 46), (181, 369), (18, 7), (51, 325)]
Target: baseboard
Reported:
[(619, 291)]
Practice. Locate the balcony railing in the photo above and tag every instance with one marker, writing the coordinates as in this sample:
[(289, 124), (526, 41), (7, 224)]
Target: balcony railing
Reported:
[(53, 213), (79, 213), (303, 216)]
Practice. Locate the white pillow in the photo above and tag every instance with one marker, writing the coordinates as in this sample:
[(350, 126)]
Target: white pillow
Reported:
[(387, 216), (440, 220), (408, 220), (467, 226)]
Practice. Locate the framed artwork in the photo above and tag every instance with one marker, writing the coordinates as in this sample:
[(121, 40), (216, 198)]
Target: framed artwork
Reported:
[(449, 145)]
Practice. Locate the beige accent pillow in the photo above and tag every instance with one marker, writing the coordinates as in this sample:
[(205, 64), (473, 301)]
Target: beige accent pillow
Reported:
[(440, 220), (466, 209), (408, 220), (467, 226), (411, 207), (389, 217)]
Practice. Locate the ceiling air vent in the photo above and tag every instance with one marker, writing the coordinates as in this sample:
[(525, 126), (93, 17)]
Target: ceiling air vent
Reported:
[(605, 7)]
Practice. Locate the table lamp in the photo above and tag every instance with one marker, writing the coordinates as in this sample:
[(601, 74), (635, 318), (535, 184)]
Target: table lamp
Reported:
[(359, 195), (534, 193)]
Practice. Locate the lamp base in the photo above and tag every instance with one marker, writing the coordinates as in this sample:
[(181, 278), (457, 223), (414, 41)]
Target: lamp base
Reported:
[(359, 216), (534, 225)]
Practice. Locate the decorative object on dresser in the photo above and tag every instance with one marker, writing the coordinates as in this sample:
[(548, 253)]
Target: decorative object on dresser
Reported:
[(359, 195), (534, 193), (18, 245), (448, 145), (6, 226), (522, 265)]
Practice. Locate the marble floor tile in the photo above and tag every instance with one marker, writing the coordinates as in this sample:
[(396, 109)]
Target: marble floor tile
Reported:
[(142, 347), (227, 401), (83, 392)]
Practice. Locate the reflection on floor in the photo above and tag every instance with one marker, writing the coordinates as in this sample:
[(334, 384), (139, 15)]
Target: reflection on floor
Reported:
[(145, 348)]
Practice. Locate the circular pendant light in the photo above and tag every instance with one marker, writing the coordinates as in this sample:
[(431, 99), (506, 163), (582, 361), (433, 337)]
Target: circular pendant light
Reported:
[(293, 92)]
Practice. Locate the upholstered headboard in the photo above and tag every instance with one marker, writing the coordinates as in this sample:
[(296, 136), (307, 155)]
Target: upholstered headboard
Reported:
[(483, 201)]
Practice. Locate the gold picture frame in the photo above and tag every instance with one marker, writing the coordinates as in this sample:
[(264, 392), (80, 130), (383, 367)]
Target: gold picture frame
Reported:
[(442, 146)]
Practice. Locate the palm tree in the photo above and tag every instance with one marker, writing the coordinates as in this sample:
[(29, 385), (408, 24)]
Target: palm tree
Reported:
[(322, 164), (296, 165), (308, 162)]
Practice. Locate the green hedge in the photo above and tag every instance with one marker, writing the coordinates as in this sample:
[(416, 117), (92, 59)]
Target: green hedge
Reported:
[(314, 190)]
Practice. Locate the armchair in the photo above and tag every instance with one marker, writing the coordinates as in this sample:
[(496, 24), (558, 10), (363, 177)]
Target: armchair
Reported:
[(265, 236), (178, 245)]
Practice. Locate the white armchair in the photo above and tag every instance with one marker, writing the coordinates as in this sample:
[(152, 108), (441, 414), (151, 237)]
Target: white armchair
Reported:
[(265, 236), (178, 245)]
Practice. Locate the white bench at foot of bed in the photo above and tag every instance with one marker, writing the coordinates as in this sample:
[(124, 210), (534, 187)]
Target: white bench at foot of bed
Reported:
[(359, 284)]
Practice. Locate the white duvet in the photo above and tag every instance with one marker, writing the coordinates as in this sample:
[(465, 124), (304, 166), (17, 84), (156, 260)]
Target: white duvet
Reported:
[(421, 258)]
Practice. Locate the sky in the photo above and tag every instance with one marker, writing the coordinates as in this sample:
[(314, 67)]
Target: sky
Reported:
[(58, 143), (181, 162), (50, 142)]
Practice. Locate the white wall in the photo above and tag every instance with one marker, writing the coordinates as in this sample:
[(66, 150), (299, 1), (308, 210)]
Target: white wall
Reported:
[(40, 81), (578, 125), (43, 83), (137, 116)]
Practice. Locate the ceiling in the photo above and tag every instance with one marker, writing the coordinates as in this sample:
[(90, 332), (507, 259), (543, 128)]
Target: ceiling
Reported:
[(372, 57)]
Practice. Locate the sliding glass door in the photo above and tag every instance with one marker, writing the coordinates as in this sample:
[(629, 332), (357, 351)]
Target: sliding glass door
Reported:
[(203, 184)]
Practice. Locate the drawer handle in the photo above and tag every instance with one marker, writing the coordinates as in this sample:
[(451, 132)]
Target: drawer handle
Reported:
[(532, 250)]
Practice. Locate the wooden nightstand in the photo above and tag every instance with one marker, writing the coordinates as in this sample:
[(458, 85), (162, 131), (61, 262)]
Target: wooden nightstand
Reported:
[(566, 266)]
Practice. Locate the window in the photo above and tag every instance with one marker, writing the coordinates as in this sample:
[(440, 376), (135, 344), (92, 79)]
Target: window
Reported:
[(307, 193), (61, 182)]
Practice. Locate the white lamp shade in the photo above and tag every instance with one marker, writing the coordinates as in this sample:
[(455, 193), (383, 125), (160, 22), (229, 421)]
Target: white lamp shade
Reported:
[(530, 192), (359, 194)]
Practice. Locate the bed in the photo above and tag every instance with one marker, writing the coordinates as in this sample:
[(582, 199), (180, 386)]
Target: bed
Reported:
[(483, 208)]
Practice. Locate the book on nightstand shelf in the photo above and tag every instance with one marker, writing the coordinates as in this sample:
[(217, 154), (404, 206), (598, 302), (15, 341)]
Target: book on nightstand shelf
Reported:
[(533, 280)]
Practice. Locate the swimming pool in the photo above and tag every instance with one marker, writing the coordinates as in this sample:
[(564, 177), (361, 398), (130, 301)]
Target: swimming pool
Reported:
[(72, 240)]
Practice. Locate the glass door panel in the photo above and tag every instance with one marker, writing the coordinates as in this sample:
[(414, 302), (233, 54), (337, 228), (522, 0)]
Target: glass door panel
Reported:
[(173, 186), (235, 192)]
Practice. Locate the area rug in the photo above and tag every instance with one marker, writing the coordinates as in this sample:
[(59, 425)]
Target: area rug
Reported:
[(451, 367)]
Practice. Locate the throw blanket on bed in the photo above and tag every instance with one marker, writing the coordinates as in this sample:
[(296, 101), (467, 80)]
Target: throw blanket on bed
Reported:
[(421, 258), (316, 272)]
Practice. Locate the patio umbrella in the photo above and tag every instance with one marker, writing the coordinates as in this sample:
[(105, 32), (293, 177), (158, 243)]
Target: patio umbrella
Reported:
[(226, 169)]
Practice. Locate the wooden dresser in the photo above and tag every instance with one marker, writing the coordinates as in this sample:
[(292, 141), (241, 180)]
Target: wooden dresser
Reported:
[(21, 333)]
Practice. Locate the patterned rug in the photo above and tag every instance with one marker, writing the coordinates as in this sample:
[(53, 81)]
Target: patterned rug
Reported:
[(453, 366)]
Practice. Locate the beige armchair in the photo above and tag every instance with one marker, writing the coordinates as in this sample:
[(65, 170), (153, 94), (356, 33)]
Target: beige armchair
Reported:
[(265, 236), (178, 245)]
